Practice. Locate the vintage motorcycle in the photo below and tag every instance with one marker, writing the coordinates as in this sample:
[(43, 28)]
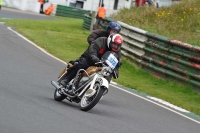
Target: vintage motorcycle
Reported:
[(88, 86)]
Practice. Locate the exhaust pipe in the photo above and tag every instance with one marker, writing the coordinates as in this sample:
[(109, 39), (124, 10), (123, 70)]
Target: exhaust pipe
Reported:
[(55, 84)]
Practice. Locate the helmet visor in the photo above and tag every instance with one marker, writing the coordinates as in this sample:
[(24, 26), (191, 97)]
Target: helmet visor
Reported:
[(113, 31), (115, 47)]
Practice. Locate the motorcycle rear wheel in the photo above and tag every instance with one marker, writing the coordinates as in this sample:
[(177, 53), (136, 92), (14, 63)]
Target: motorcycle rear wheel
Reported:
[(58, 96), (88, 103)]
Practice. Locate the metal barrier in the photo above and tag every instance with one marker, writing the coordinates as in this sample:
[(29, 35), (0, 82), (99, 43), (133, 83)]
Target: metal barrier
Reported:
[(158, 54), (72, 12), (162, 56)]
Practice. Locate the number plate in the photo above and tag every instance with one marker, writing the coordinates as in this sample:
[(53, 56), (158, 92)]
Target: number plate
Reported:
[(112, 61)]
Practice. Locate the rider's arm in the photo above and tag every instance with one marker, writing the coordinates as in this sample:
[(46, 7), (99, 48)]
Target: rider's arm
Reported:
[(93, 52), (96, 34)]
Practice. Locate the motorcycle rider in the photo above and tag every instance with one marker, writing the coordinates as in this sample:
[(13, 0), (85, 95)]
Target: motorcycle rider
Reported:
[(113, 27), (93, 55)]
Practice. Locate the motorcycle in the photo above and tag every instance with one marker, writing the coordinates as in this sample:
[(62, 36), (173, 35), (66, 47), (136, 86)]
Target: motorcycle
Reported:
[(89, 85)]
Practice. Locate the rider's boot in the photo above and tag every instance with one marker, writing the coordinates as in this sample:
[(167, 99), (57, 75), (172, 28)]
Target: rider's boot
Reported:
[(64, 82), (67, 87)]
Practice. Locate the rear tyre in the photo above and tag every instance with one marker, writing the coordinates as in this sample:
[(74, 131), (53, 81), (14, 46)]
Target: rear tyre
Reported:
[(58, 96), (88, 103)]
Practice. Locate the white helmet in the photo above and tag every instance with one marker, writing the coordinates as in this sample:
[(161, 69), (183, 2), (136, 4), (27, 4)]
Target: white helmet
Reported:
[(114, 42)]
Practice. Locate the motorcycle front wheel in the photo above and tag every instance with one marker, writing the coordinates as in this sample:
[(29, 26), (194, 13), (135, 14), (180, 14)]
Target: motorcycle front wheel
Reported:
[(88, 103), (58, 96)]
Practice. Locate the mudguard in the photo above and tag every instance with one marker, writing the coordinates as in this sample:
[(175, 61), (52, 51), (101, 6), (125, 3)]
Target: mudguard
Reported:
[(102, 81)]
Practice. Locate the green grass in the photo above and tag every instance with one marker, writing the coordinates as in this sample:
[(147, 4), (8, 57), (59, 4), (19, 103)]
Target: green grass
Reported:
[(66, 39), (180, 21)]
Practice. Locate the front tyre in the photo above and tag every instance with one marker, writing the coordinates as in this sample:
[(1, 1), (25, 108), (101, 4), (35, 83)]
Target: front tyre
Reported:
[(58, 96), (88, 103)]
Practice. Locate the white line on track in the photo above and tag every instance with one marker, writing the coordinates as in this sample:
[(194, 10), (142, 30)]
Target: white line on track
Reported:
[(111, 84), (43, 50), (155, 103)]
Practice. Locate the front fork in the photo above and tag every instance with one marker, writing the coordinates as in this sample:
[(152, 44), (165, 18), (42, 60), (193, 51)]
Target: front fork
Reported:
[(102, 82)]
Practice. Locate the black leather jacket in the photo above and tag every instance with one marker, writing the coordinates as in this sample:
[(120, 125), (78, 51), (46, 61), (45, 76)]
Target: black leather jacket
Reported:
[(96, 50), (96, 34)]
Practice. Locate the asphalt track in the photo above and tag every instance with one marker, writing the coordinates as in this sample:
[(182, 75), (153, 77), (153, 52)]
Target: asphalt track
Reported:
[(9, 13), (27, 104)]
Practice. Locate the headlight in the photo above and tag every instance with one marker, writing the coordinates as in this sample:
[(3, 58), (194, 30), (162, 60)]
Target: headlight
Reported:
[(106, 71)]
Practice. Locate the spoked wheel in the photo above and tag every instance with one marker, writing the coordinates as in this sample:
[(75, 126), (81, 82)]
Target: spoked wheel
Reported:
[(58, 96), (88, 103)]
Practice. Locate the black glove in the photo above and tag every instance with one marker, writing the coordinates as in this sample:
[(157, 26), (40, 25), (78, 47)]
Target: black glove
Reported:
[(95, 59), (115, 74), (119, 64), (72, 61)]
